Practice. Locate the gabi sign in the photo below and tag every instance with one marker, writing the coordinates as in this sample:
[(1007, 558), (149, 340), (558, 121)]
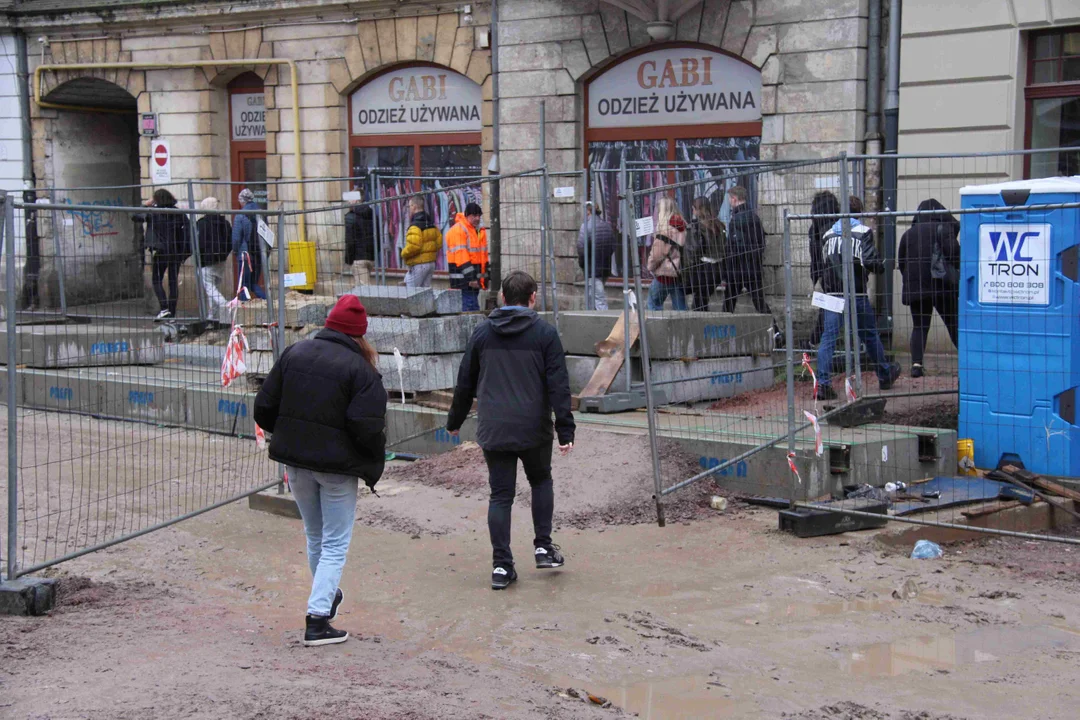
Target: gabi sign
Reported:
[(248, 116), (417, 100), (676, 86)]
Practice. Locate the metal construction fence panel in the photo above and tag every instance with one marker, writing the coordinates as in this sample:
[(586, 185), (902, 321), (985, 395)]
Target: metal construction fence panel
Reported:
[(117, 424), (816, 412)]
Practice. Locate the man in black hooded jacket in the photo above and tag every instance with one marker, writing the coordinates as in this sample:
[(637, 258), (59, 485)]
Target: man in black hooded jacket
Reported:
[(516, 368)]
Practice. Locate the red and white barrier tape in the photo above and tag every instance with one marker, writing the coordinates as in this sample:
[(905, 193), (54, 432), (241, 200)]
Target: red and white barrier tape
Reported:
[(819, 447), (806, 364), (791, 464), (851, 396)]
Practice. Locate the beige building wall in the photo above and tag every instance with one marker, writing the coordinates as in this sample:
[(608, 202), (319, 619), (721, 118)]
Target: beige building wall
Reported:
[(963, 67)]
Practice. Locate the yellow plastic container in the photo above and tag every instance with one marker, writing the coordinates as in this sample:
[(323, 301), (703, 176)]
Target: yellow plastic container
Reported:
[(302, 260), (965, 457)]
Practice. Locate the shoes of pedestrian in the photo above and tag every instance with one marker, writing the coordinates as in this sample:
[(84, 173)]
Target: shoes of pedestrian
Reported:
[(320, 632), (917, 371), (548, 557), (338, 597), (825, 392), (501, 577), (894, 373), (163, 315)]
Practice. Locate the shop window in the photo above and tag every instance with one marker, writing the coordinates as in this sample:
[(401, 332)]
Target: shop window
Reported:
[(1053, 103), (415, 127)]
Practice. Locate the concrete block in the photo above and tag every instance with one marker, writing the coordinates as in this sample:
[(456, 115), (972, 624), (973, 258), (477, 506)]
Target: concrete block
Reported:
[(580, 368), (54, 346), (447, 302), (72, 392), (270, 501), (4, 387), (423, 336), (27, 596), (414, 429), (396, 300), (298, 313), (156, 400), (672, 335), (712, 379), (420, 373), (221, 410)]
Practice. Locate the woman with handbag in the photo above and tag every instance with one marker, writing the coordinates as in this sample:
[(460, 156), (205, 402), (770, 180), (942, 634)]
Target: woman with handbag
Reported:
[(665, 257), (929, 260)]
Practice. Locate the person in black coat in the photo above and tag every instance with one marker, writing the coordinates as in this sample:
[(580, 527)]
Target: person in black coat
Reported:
[(825, 207), (170, 245), (929, 260), (360, 243), (515, 366), (597, 228), (325, 404), (215, 244), (745, 253)]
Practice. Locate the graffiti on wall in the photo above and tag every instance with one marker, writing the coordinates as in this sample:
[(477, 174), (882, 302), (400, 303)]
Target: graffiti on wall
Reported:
[(95, 223)]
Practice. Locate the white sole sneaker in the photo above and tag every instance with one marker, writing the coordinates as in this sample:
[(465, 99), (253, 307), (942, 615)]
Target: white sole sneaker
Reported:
[(326, 641)]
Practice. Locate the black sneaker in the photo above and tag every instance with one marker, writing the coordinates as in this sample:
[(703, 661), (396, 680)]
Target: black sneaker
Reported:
[(548, 557), (502, 577), (338, 597), (320, 632), (825, 392), (894, 373), (917, 371)]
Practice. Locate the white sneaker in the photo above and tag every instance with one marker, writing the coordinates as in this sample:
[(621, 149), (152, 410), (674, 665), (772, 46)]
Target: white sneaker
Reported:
[(163, 315)]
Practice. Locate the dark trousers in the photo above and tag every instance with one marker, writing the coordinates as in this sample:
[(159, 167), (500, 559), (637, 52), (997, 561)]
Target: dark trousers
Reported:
[(163, 265), (922, 314), (744, 271), (704, 277), (502, 474)]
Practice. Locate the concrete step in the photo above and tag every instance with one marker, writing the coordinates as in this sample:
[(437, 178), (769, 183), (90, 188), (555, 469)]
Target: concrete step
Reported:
[(57, 346)]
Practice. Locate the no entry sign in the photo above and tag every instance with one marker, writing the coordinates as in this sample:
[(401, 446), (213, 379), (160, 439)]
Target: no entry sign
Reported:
[(160, 162)]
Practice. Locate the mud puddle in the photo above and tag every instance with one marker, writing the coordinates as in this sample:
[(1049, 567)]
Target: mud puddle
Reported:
[(676, 698), (949, 651), (775, 612)]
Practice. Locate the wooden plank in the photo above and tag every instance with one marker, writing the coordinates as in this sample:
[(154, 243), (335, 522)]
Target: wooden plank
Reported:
[(1055, 488), (991, 509), (611, 351)]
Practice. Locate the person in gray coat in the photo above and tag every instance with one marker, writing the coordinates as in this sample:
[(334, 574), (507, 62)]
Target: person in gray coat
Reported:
[(597, 229)]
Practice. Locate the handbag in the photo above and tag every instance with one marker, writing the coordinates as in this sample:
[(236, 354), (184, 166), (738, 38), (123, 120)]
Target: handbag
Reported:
[(940, 268)]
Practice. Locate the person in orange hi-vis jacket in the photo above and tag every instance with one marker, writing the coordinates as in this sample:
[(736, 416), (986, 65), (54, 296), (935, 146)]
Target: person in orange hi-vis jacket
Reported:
[(467, 256)]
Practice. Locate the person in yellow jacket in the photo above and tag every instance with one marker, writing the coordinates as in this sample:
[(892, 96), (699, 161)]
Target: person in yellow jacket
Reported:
[(467, 256), (422, 244)]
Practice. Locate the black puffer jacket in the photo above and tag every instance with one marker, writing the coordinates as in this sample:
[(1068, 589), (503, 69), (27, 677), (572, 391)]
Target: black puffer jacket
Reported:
[(606, 246), (745, 233), (170, 235), (326, 407), (359, 234), (917, 249), (516, 367), (215, 239)]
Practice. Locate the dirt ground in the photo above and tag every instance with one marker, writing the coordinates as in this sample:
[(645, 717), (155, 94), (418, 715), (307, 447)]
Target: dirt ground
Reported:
[(717, 615)]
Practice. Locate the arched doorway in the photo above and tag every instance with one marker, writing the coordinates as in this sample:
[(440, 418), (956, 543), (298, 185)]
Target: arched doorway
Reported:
[(95, 161), (669, 104), (247, 137)]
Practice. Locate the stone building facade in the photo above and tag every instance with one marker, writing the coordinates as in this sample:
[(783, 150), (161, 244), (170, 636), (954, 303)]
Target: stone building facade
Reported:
[(805, 65)]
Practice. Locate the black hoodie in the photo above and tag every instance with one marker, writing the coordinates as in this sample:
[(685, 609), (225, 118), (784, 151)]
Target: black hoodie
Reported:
[(516, 368)]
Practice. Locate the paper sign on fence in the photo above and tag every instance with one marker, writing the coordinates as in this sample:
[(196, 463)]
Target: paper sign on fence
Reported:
[(644, 226), (828, 302), (352, 196), (295, 279), (564, 192), (266, 233)]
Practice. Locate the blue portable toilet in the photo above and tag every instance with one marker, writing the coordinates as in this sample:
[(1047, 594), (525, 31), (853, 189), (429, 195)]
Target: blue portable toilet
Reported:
[(1019, 325)]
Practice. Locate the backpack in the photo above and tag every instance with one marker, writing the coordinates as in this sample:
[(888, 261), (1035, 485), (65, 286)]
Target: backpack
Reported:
[(940, 268)]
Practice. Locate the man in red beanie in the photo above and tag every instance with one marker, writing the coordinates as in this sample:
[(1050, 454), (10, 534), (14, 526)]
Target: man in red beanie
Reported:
[(325, 404)]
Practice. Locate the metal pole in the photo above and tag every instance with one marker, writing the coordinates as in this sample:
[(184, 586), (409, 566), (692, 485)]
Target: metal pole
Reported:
[(626, 210), (543, 206), (646, 370), (279, 346), (845, 253), (849, 274), (373, 184), (200, 296), (59, 257), (890, 170), (495, 230), (790, 350), (586, 206), (12, 389), (263, 259), (554, 266)]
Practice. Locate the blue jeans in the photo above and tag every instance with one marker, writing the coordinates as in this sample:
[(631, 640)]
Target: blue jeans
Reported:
[(252, 274), (327, 505), (659, 291), (470, 300), (867, 333)]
